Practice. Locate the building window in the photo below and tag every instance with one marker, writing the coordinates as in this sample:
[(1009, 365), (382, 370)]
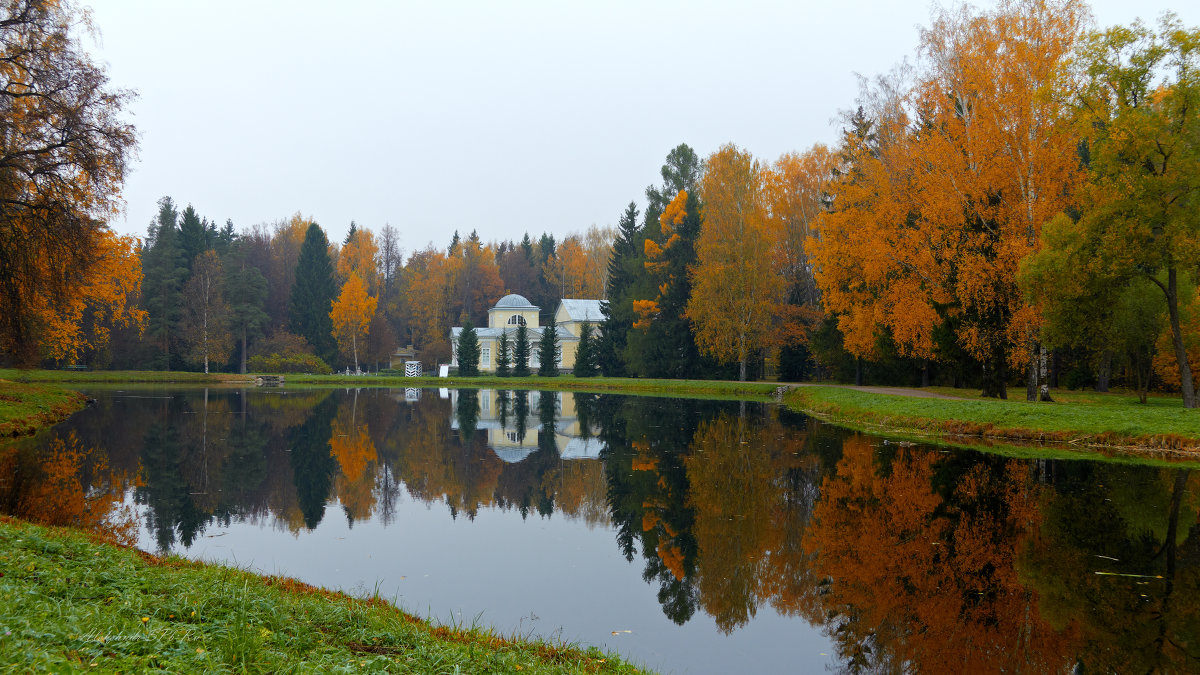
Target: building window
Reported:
[(485, 357), (516, 320)]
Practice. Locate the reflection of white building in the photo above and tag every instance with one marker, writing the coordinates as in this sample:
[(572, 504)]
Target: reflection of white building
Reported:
[(505, 439)]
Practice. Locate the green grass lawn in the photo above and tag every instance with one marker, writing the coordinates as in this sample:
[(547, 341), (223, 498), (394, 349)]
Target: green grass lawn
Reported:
[(25, 408), (1103, 419), (71, 603)]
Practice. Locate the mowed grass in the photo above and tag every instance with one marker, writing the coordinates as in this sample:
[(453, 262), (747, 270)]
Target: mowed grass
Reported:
[(25, 408), (1087, 418), (69, 602)]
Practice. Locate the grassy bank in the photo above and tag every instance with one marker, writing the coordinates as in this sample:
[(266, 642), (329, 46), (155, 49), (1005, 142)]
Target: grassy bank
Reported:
[(70, 602), (1085, 420), (25, 408)]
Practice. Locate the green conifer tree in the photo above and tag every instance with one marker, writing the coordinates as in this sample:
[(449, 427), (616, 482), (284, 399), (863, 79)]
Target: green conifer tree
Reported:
[(521, 353), (313, 294), (585, 353), (549, 350), (504, 358), (468, 350)]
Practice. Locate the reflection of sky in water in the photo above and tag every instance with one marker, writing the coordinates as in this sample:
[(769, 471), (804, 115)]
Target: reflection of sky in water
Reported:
[(502, 571)]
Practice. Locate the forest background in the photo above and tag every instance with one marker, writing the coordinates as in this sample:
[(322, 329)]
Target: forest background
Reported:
[(1017, 204)]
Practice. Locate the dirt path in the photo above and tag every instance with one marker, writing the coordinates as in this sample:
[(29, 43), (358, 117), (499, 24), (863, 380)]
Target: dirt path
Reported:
[(894, 391)]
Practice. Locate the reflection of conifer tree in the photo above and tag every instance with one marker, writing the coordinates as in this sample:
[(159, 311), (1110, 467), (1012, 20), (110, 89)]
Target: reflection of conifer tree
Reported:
[(245, 467), (502, 407), (584, 404), (172, 511), (312, 462), (520, 411), (467, 411)]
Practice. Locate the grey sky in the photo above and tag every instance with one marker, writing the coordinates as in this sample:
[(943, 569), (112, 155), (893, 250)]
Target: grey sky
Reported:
[(503, 117)]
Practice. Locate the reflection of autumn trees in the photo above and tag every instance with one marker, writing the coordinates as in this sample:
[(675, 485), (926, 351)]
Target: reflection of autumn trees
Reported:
[(1118, 557), (69, 484), (918, 550), (748, 512), (354, 451)]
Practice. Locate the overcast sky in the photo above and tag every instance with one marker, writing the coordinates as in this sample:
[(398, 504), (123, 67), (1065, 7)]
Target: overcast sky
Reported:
[(503, 117)]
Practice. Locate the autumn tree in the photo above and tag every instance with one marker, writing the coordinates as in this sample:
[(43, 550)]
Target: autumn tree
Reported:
[(205, 325), (947, 184), (313, 293), (1139, 110), (351, 315), (735, 290), (358, 256), (107, 299), (62, 164)]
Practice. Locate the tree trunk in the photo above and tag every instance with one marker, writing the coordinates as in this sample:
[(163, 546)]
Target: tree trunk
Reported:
[(243, 365), (925, 373), (1044, 374), (742, 370), (1031, 373), (858, 371), (1104, 371), (354, 347), (1185, 371), (995, 380)]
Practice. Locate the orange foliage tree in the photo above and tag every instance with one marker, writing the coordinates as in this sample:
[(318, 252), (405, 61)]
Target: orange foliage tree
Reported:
[(931, 219), (62, 164), (358, 256), (105, 299), (351, 313), (736, 292)]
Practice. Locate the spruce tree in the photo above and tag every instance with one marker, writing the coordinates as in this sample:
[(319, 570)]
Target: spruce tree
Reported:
[(313, 294), (521, 353), (548, 350), (585, 353), (246, 293), (165, 270), (618, 308), (503, 359), (468, 350)]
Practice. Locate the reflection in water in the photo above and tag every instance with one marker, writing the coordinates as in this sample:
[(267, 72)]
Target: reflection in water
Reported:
[(905, 558)]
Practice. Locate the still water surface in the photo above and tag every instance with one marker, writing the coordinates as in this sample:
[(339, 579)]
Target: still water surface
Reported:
[(688, 536)]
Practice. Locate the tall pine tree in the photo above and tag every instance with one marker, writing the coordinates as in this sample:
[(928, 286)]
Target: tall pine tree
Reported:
[(468, 350), (313, 294), (521, 353), (504, 358), (164, 270), (585, 353), (549, 350), (623, 265)]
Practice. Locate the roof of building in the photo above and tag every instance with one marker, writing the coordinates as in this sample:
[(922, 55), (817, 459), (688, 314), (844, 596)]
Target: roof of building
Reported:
[(583, 310), (514, 301), (534, 332)]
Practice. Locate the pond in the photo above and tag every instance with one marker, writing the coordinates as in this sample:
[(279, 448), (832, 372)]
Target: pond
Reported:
[(688, 536)]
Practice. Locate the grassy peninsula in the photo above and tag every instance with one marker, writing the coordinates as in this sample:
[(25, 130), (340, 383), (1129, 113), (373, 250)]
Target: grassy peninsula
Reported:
[(25, 408), (71, 602), (1075, 418)]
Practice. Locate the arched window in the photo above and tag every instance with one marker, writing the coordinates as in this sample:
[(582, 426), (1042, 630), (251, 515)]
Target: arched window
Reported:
[(516, 320)]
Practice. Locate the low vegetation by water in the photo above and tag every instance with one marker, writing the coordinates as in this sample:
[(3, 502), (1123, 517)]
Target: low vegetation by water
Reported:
[(1110, 420), (25, 408), (71, 602)]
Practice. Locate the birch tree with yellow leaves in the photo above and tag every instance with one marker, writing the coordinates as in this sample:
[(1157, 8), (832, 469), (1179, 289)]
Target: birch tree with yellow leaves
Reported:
[(351, 315)]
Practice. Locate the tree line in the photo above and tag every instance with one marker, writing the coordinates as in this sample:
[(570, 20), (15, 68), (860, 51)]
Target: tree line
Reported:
[(1016, 204)]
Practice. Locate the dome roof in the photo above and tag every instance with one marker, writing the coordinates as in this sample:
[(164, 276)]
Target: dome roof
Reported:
[(513, 301)]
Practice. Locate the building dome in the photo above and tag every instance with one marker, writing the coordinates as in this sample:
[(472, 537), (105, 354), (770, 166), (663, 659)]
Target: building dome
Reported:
[(514, 301)]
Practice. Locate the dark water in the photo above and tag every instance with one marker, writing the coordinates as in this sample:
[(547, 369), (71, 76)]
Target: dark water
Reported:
[(688, 536)]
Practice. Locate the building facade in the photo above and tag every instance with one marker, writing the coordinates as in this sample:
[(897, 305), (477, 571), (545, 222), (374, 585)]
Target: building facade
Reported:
[(511, 312)]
